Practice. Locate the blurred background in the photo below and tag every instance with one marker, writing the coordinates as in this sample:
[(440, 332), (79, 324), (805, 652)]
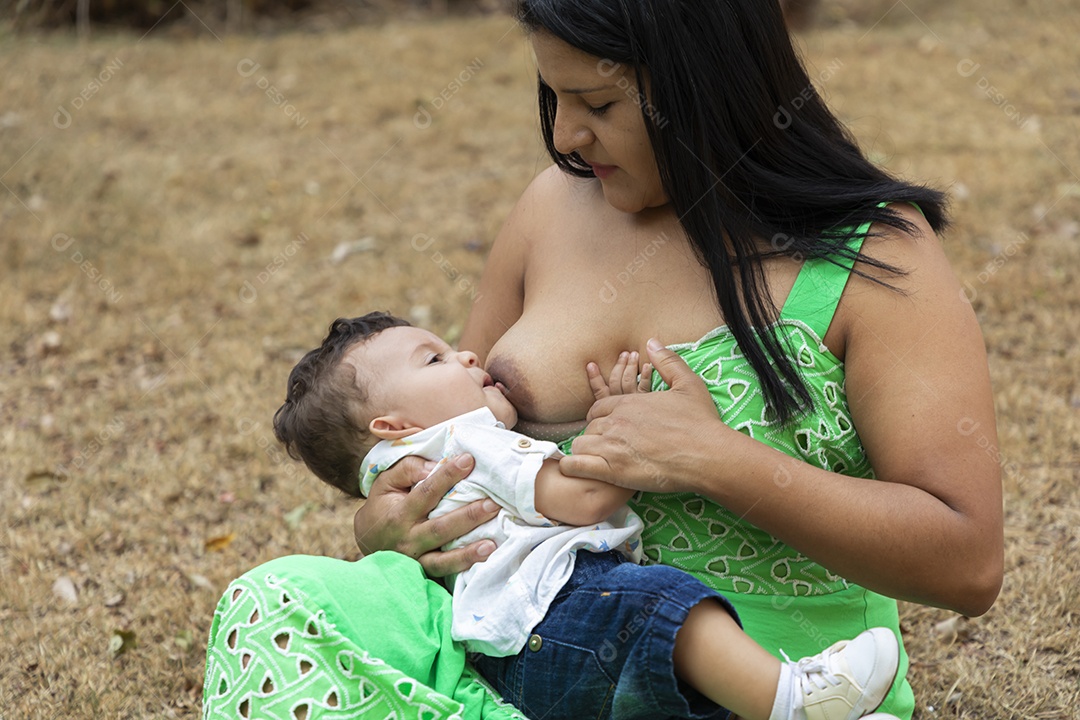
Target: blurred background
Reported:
[(191, 191)]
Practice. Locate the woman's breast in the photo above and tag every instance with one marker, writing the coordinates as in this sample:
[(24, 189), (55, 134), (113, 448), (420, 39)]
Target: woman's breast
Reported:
[(541, 362), (590, 292), (541, 358)]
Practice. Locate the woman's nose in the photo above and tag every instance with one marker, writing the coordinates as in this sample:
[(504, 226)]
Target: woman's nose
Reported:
[(569, 134), (468, 359)]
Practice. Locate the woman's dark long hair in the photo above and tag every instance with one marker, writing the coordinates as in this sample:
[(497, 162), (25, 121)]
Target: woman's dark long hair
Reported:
[(747, 151)]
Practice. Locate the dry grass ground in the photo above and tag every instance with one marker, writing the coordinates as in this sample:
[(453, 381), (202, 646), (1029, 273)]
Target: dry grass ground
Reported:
[(168, 213)]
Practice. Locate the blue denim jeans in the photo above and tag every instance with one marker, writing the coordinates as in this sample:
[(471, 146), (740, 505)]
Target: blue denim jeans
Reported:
[(605, 648)]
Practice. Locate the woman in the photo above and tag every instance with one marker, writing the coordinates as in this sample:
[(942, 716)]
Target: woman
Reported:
[(690, 202)]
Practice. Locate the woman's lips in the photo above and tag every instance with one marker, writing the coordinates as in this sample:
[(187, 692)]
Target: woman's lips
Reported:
[(602, 171)]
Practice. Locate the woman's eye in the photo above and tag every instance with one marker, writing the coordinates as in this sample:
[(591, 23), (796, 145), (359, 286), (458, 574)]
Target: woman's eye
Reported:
[(600, 110)]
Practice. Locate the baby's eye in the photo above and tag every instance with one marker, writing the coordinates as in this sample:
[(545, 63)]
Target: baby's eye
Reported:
[(600, 110), (436, 358)]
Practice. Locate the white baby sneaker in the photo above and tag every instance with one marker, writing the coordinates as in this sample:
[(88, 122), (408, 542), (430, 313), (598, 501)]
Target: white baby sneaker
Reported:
[(846, 680)]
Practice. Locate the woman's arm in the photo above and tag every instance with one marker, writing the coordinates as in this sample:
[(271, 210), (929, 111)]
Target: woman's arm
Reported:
[(929, 529)]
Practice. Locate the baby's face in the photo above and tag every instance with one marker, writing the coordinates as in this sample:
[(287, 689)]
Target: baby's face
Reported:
[(419, 379)]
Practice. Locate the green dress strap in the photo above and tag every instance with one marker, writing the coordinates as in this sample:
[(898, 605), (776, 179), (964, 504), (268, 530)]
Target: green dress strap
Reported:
[(817, 290)]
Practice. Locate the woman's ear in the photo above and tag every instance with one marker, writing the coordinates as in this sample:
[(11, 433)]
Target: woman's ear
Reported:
[(390, 427)]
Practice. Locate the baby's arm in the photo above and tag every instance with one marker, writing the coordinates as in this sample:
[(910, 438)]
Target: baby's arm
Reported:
[(578, 501)]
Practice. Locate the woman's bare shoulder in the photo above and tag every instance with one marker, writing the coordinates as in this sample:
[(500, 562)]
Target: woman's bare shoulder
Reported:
[(551, 180), (538, 228), (542, 205), (918, 255), (923, 309), (924, 275), (900, 249), (556, 194)]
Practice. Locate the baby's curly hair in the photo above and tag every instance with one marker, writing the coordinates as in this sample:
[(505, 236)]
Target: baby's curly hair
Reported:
[(324, 419)]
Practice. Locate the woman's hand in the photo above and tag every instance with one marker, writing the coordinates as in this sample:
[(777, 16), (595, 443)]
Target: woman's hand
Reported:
[(634, 440), (394, 517)]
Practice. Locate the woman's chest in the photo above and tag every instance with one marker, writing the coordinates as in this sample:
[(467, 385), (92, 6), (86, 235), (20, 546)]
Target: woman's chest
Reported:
[(590, 302)]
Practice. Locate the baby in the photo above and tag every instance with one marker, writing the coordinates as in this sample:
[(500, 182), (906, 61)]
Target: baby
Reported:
[(560, 633)]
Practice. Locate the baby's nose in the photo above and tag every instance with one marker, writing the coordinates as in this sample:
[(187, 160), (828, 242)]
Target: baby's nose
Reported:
[(468, 359)]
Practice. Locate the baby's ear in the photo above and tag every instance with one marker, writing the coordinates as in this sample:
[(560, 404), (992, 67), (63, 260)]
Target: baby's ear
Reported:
[(390, 427)]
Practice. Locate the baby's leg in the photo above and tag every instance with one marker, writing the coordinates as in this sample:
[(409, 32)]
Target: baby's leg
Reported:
[(606, 648), (845, 681), (715, 656), (624, 641)]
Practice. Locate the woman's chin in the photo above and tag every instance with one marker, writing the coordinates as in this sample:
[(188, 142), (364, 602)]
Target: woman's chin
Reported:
[(630, 202)]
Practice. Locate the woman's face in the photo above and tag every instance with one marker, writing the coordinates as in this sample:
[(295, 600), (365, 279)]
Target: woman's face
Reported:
[(600, 118)]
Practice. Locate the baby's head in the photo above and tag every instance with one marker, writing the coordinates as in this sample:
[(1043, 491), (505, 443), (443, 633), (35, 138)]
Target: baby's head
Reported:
[(376, 378)]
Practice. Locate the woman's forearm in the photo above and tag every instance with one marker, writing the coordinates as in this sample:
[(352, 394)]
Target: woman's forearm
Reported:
[(885, 534)]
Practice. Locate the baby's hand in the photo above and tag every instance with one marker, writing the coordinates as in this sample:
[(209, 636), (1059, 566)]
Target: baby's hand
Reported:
[(624, 377)]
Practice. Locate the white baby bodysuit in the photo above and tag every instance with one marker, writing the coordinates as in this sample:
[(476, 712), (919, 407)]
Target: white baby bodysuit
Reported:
[(499, 601)]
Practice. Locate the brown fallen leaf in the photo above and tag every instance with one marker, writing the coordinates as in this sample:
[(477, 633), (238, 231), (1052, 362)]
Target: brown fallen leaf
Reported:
[(42, 476), (219, 543), (251, 238)]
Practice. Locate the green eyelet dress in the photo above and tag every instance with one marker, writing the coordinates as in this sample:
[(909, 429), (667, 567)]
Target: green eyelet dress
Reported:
[(786, 601)]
